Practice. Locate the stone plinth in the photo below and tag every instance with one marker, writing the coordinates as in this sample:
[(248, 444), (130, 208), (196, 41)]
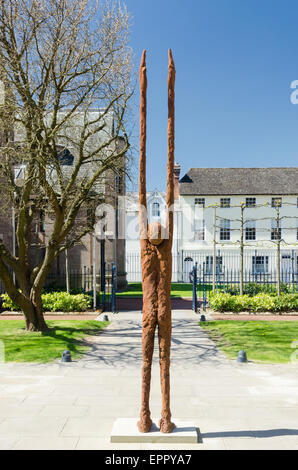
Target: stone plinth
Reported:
[(126, 430)]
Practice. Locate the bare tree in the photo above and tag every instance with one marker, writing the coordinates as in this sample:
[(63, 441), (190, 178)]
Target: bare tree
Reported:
[(65, 68)]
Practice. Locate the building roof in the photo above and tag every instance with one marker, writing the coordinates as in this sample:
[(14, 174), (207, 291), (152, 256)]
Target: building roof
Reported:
[(242, 181)]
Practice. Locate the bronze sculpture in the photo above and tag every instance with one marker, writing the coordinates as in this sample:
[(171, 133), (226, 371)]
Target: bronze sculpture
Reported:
[(156, 259)]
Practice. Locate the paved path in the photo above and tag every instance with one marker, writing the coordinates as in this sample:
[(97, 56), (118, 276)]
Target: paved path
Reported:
[(73, 406), (120, 345)]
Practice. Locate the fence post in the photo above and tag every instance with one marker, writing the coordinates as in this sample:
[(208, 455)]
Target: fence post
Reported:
[(195, 288), (67, 270), (114, 288), (204, 289), (103, 274)]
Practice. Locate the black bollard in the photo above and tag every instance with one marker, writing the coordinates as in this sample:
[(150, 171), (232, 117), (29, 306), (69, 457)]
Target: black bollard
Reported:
[(66, 356), (203, 318), (242, 356), (105, 318)]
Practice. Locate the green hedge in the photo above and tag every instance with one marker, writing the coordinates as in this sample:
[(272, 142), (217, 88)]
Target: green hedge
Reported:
[(56, 302), (259, 303)]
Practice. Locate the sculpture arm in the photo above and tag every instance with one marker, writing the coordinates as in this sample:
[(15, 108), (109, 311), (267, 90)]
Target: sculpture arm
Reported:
[(171, 144), (142, 169)]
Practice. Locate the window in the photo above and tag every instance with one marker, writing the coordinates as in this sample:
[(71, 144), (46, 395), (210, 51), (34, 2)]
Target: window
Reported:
[(209, 264), (225, 202), (65, 157), (225, 230), (260, 264), (200, 202), (155, 209), (297, 201), (19, 174), (199, 230), (275, 232), (250, 230), (250, 202), (276, 202)]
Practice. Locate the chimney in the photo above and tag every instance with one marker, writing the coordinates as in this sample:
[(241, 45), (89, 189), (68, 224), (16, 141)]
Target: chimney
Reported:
[(177, 169)]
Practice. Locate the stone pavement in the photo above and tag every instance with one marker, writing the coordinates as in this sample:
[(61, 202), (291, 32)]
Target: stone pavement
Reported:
[(73, 406)]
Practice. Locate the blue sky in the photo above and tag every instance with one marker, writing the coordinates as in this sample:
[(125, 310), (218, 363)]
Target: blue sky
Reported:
[(235, 61)]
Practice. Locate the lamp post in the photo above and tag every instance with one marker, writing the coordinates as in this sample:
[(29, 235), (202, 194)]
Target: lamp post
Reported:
[(13, 223), (19, 177), (94, 270)]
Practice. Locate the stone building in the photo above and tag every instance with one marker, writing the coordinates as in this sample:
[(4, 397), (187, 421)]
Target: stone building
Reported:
[(108, 247)]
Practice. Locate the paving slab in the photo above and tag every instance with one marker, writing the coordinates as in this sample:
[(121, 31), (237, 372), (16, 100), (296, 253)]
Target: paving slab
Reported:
[(37, 426), (60, 443), (93, 443), (7, 443)]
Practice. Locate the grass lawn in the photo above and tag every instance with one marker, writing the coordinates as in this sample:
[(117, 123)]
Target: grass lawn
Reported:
[(23, 346), (134, 290), (265, 341)]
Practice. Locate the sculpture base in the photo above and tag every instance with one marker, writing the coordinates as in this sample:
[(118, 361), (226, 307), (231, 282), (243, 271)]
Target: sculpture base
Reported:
[(126, 430)]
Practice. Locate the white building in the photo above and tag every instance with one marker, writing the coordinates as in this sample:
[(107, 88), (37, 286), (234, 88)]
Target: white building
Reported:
[(208, 209)]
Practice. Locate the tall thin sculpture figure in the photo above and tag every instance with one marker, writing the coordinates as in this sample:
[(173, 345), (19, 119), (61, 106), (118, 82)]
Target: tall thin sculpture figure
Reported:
[(156, 259)]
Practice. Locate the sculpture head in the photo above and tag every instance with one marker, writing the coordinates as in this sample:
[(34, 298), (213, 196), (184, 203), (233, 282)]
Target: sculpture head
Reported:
[(154, 233)]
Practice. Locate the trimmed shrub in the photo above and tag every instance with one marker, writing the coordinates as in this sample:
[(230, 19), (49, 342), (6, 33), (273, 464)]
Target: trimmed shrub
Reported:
[(8, 304), (286, 302), (258, 303), (56, 302), (228, 302), (262, 303), (64, 302)]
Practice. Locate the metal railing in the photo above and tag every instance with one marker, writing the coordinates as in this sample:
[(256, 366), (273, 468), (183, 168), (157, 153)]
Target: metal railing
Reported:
[(102, 286), (257, 264), (229, 281)]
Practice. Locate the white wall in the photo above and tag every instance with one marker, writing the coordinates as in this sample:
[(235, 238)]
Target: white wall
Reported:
[(263, 227)]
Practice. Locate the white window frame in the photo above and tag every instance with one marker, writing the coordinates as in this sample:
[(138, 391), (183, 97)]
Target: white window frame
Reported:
[(154, 209), (209, 264), (250, 202), (225, 202), (225, 230), (260, 268), (274, 201), (274, 234), (200, 202), (250, 230), (199, 230)]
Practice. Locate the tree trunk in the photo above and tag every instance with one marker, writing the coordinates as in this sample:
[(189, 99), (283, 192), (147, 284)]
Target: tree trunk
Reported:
[(34, 313), (35, 320)]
